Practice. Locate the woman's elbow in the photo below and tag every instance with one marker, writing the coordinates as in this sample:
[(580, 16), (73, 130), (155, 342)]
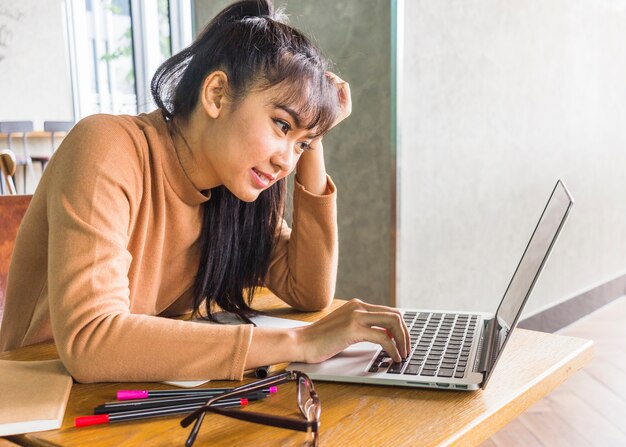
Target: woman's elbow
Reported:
[(80, 369), (85, 365), (320, 302)]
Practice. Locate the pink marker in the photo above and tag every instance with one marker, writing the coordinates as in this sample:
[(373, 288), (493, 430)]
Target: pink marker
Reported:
[(146, 394)]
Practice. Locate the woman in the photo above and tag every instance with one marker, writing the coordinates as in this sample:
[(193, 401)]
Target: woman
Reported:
[(139, 218)]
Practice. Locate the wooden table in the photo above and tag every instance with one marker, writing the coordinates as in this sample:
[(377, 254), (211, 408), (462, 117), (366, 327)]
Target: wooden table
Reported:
[(533, 364)]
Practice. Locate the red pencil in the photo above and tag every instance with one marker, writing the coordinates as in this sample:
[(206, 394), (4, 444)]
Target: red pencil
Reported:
[(83, 421)]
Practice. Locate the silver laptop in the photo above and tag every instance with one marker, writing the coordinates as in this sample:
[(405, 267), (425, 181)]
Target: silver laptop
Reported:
[(453, 350)]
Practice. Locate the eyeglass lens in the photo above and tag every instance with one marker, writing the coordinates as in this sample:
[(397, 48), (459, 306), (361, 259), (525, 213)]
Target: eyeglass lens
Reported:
[(309, 407)]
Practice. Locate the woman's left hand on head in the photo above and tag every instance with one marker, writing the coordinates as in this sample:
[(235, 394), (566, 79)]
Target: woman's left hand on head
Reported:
[(345, 97), (311, 169)]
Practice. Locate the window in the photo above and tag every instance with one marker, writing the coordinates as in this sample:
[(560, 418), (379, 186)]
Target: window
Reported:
[(115, 48)]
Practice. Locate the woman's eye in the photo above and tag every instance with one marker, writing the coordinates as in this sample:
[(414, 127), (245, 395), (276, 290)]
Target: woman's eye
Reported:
[(283, 126), (303, 146)]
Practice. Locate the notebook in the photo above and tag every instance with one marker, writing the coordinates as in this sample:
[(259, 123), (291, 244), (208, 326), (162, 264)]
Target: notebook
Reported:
[(33, 396), (450, 349)]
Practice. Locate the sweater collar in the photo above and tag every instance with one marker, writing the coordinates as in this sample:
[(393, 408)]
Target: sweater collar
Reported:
[(178, 163)]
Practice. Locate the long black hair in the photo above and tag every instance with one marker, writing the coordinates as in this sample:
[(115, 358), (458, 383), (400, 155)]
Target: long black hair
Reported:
[(257, 49)]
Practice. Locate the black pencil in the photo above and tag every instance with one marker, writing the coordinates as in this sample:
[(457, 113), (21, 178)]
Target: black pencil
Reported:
[(142, 404), (83, 421)]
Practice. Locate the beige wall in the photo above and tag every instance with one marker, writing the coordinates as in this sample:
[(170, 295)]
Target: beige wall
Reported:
[(356, 35), (501, 99), (34, 66)]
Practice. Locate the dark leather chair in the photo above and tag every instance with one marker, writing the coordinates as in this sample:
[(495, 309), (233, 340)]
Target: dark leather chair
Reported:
[(12, 210)]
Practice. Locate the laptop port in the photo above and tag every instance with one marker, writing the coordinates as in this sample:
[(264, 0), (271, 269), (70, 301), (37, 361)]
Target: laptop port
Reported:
[(461, 387), (443, 385)]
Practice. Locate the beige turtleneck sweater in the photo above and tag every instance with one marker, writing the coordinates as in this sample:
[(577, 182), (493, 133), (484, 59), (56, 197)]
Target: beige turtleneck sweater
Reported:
[(109, 247)]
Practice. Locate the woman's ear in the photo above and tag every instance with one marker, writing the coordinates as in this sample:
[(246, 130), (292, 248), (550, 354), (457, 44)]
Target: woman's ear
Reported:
[(213, 94)]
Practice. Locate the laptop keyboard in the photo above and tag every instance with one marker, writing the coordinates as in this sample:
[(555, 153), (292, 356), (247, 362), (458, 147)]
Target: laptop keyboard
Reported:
[(440, 346)]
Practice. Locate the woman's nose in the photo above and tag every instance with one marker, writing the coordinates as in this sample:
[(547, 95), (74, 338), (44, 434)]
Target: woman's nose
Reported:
[(284, 158)]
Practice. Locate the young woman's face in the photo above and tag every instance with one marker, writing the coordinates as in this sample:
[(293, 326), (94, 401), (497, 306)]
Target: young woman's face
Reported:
[(256, 143)]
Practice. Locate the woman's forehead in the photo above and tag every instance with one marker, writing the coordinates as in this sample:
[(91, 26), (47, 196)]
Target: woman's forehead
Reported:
[(297, 101), (313, 105), (294, 96)]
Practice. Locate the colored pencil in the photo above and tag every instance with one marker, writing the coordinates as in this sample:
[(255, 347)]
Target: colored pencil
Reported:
[(148, 394), (141, 404), (83, 421)]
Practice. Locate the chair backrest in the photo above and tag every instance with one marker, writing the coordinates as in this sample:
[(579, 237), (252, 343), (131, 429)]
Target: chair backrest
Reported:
[(11, 127), (12, 210), (7, 168), (16, 126), (56, 126)]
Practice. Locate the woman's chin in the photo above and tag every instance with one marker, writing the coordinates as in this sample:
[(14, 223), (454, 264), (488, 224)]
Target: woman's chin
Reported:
[(247, 195)]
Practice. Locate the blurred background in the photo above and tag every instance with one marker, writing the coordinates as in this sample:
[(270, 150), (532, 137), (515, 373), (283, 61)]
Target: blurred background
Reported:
[(465, 115)]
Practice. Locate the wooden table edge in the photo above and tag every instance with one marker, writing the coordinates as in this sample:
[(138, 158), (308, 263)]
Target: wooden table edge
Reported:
[(475, 433)]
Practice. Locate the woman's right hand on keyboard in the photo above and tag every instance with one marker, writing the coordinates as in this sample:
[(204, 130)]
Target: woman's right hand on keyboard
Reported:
[(354, 322)]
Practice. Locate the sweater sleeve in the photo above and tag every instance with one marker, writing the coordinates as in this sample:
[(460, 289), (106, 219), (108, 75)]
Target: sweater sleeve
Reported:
[(94, 188), (303, 269)]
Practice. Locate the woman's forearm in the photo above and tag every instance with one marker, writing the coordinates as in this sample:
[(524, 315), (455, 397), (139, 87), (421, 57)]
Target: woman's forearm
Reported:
[(271, 346), (311, 170), (303, 269)]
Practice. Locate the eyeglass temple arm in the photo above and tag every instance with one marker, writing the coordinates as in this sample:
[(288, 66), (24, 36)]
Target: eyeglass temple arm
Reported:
[(263, 383), (266, 419), (270, 381), (194, 432), (258, 385), (251, 416)]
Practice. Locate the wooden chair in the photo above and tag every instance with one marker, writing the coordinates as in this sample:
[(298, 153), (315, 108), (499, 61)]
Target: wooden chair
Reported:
[(26, 161), (12, 210), (7, 169), (54, 127)]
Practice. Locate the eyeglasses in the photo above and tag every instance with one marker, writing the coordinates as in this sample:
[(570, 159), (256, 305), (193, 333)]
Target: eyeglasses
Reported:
[(308, 403)]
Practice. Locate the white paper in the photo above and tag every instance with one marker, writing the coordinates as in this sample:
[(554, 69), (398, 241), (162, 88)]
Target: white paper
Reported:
[(265, 321), (187, 383)]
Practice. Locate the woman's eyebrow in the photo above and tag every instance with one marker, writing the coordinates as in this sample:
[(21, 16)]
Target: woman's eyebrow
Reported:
[(294, 115)]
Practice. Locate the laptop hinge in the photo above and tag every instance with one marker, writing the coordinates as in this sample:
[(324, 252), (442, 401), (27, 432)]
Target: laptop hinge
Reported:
[(489, 345)]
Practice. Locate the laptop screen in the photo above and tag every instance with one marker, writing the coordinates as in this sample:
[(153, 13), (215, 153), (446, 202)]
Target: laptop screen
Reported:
[(529, 267)]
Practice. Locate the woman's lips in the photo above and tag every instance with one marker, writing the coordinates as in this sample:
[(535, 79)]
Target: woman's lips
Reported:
[(261, 178)]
